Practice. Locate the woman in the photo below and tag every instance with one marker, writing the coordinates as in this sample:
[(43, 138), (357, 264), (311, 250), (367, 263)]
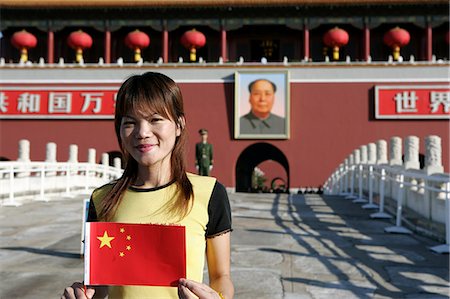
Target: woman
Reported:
[(155, 188)]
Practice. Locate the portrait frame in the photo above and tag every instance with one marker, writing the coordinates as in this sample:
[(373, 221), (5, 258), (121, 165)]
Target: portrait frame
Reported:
[(246, 124)]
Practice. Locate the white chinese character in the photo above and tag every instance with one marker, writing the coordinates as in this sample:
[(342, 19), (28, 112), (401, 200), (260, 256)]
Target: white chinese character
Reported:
[(59, 102), (92, 97), (3, 102), (406, 102), (440, 98), (28, 102)]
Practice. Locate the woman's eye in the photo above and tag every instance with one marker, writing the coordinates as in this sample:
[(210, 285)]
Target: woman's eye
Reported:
[(128, 123), (156, 119)]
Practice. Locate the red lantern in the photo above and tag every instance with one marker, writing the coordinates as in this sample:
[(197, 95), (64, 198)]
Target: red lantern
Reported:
[(137, 40), (23, 40), (79, 40), (396, 38), (192, 40), (336, 38)]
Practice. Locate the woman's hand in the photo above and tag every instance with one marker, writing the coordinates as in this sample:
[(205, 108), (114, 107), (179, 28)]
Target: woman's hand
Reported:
[(78, 291), (188, 288)]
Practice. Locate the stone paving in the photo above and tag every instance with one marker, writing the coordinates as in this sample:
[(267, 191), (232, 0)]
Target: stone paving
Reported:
[(283, 246)]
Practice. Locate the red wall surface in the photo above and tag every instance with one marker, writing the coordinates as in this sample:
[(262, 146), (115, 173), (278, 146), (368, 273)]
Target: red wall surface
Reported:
[(328, 121)]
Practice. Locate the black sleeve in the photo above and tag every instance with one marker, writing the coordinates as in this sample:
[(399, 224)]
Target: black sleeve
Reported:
[(219, 212), (92, 213)]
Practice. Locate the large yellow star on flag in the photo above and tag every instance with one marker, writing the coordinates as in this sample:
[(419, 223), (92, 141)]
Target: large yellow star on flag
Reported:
[(105, 240)]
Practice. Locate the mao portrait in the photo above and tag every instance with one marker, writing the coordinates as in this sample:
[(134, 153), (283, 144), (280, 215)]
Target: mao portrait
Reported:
[(261, 105)]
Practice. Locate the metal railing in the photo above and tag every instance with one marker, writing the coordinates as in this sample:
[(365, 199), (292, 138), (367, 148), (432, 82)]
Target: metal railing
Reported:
[(20, 180), (426, 195)]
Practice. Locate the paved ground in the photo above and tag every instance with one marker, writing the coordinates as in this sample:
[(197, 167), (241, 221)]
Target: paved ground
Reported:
[(282, 247)]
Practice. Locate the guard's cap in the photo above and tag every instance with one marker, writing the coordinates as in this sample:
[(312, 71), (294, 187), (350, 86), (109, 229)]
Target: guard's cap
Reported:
[(203, 131)]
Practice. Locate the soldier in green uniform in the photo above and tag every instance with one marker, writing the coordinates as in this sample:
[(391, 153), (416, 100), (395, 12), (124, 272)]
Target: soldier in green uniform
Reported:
[(203, 154)]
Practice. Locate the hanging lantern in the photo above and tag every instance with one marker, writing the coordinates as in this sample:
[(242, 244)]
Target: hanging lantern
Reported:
[(137, 40), (23, 41), (336, 38), (396, 38), (192, 40), (79, 40)]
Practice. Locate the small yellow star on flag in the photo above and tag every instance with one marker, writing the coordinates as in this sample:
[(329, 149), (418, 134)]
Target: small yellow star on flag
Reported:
[(128, 237), (105, 240), (128, 247), (122, 230), (122, 254)]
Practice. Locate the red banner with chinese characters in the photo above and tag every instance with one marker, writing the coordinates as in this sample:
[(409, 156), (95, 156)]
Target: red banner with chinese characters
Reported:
[(134, 254), (412, 102), (58, 100)]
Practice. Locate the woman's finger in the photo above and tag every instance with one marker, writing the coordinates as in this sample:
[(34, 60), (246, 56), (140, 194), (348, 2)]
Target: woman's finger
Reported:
[(201, 290), (78, 291)]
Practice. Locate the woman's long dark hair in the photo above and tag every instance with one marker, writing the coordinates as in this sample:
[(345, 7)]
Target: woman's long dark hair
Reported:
[(158, 93)]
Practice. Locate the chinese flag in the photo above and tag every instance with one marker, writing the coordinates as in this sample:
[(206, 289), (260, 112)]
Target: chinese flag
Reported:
[(134, 254)]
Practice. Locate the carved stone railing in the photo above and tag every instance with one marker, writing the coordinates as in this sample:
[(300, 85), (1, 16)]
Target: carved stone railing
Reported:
[(418, 196), (24, 180)]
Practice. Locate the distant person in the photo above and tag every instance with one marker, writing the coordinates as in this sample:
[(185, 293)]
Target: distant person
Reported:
[(203, 154), (260, 120)]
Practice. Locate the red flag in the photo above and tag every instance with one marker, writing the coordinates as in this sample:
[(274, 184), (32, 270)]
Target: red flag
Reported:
[(134, 254)]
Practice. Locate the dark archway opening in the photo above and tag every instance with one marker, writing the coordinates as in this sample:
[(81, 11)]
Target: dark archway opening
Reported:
[(253, 156)]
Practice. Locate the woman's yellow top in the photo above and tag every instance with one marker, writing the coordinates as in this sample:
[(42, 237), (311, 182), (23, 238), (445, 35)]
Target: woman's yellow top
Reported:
[(210, 216)]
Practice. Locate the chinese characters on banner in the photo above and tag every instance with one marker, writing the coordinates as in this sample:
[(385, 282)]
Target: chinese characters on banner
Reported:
[(412, 102), (58, 100)]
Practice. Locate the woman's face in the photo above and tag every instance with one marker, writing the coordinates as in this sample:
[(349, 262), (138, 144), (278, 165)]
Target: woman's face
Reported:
[(149, 138)]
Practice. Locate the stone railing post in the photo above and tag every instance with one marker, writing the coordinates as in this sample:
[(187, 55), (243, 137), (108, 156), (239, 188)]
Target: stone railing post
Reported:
[(363, 160), (412, 153), (24, 157), (71, 169), (371, 153), (346, 173), (341, 178), (50, 156), (352, 172), (50, 152), (396, 152), (105, 163), (357, 156), (91, 160), (382, 152), (73, 153), (24, 151), (117, 163), (433, 155), (412, 158), (396, 160), (371, 160), (91, 156), (105, 159), (363, 154), (357, 153)]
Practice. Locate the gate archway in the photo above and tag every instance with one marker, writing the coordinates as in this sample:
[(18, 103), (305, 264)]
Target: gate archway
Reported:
[(252, 156)]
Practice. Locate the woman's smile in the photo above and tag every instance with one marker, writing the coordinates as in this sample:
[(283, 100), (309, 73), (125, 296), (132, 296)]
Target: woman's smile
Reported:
[(145, 148)]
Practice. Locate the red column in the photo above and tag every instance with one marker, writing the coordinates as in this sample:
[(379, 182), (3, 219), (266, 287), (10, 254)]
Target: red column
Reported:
[(50, 46), (107, 46), (429, 42), (223, 52), (306, 41), (165, 45), (366, 40)]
